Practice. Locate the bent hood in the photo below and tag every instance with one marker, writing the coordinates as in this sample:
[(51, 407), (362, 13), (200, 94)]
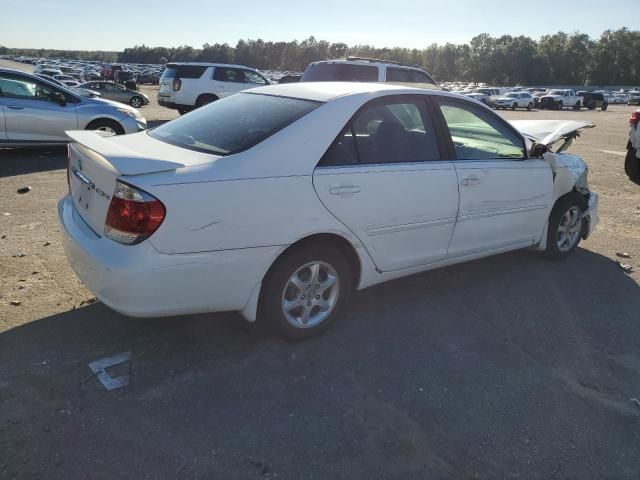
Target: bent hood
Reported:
[(548, 132), (138, 153)]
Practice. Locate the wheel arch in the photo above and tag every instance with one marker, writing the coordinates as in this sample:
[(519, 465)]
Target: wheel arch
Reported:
[(339, 241)]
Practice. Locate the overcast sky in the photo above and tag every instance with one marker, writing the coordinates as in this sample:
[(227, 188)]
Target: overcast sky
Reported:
[(116, 24)]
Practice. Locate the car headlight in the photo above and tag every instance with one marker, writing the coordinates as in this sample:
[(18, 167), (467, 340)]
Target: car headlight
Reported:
[(130, 113)]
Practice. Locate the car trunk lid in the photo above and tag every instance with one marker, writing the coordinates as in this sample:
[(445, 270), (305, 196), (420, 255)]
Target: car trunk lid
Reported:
[(97, 161)]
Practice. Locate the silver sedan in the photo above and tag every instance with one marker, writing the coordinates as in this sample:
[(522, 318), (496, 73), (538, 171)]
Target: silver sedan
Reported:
[(35, 111), (117, 93)]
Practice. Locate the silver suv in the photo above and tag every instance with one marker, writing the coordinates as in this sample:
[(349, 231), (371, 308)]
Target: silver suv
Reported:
[(358, 69), (35, 111), (189, 85)]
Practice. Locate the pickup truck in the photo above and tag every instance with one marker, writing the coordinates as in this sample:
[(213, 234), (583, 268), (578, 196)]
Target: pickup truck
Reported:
[(559, 99)]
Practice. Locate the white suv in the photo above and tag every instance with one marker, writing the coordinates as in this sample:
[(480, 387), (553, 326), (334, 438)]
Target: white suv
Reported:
[(185, 86), (357, 69)]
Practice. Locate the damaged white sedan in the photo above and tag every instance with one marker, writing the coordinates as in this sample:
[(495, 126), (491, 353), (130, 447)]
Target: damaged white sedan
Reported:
[(279, 201)]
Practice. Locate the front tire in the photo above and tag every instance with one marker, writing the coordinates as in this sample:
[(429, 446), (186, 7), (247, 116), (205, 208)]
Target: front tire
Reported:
[(566, 226), (559, 106), (530, 107), (632, 165), (576, 106), (305, 291), (106, 125)]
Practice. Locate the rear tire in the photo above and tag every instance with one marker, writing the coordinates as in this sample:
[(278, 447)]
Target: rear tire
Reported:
[(566, 226), (632, 165), (106, 125), (299, 305), (577, 106), (205, 100), (182, 111), (136, 102)]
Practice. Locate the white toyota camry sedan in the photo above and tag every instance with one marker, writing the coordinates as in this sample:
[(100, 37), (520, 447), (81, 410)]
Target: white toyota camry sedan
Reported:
[(278, 202)]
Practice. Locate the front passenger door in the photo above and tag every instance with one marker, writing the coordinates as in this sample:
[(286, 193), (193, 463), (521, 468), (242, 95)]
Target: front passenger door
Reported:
[(505, 197), (30, 112)]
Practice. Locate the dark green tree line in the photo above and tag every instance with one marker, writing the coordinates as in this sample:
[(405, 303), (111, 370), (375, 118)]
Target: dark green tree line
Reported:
[(561, 58)]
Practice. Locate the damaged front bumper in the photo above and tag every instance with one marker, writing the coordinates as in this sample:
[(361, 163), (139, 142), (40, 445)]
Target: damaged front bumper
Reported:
[(591, 215)]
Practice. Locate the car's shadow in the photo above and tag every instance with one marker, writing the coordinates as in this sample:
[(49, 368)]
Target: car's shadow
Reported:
[(491, 369)]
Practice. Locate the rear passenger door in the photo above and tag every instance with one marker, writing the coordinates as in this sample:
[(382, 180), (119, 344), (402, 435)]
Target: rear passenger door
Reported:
[(384, 179), (228, 81)]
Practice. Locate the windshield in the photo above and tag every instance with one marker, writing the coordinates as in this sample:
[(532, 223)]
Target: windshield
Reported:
[(512, 95), (234, 123), (556, 92)]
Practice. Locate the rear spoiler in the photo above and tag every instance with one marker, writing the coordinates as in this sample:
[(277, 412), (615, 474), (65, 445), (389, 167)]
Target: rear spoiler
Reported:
[(124, 160)]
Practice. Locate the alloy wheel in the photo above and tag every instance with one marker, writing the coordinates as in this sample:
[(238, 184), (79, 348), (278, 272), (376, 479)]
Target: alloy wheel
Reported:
[(569, 229), (310, 294)]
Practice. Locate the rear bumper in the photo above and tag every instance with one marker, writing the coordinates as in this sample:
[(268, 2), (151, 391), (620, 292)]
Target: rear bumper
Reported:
[(139, 281)]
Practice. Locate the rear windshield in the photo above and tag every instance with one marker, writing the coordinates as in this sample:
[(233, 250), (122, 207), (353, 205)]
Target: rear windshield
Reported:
[(339, 72), (234, 123), (183, 71)]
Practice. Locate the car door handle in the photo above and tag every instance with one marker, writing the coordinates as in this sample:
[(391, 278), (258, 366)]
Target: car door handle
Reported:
[(15, 107), (469, 181), (344, 190)]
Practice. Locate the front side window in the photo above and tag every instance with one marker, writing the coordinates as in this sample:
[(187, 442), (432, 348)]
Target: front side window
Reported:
[(253, 77), (478, 136), (393, 131), (234, 123), (24, 88)]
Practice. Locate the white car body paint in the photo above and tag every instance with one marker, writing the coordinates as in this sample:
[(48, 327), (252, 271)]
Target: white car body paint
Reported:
[(230, 217)]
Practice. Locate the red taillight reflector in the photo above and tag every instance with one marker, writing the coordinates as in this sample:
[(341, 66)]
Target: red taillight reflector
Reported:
[(635, 118), (177, 84), (133, 215)]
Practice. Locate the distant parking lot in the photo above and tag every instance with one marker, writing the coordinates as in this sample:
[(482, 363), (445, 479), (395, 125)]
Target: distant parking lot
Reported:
[(507, 367)]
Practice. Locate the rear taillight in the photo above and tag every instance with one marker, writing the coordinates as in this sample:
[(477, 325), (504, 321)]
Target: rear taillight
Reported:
[(133, 215), (635, 118), (177, 84)]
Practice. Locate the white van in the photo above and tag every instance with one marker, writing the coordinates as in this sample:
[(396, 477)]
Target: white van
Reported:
[(188, 85)]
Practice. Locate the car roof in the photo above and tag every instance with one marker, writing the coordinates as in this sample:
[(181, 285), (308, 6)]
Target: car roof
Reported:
[(325, 91), (209, 64)]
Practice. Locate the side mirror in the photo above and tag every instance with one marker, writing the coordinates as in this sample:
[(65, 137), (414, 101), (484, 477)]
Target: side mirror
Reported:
[(538, 149), (58, 98)]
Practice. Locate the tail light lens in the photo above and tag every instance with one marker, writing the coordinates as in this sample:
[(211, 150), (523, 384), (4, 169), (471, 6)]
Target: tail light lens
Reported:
[(635, 118), (177, 84), (133, 215)]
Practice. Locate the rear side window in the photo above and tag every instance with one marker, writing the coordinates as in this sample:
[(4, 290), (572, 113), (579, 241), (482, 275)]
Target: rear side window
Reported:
[(393, 131), (183, 71), (340, 72), (420, 77), (225, 74), (398, 75), (234, 123)]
